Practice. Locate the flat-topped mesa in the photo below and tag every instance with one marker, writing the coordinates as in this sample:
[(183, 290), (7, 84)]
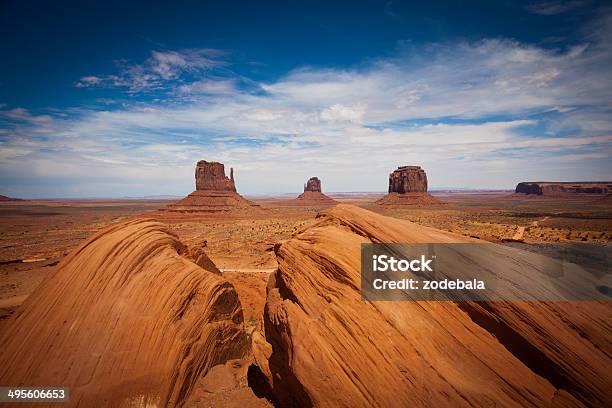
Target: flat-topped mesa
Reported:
[(408, 179), (313, 184), (564, 187), (407, 186), (211, 176)]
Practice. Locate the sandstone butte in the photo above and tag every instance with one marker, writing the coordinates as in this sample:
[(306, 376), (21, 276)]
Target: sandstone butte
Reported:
[(326, 347), (129, 318), (407, 186), (313, 194), (215, 193), (548, 188)]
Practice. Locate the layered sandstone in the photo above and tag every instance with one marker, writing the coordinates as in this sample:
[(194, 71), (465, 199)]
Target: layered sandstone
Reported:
[(327, 347), (313, 196), (127, 319), (215, 193), (564, 188), (407, 186)]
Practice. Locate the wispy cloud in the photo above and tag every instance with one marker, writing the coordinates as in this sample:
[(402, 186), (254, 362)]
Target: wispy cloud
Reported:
[(161, 67), (549, 8), (390, 12), (207, 86)]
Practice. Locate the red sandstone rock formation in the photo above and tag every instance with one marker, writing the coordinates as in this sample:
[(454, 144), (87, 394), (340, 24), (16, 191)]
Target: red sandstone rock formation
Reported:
[(408, 199), (408, 186), (564, 188), (312, 195), (408, 179), (125, 320), (215, 193), (313, 184), (202, 202), (327, 347), (210, 176)]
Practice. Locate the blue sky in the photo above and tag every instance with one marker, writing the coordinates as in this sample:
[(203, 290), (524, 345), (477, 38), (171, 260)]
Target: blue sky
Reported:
[(121, 98)]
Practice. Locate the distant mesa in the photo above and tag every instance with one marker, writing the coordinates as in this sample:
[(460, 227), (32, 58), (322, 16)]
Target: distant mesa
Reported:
[(562, 188), (313, 184), (408, 179), (5, 198), (312, 194), (214, 193), (408, 186)]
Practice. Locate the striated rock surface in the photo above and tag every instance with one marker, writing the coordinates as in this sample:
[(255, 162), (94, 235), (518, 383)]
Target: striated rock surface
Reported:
[(211, 176), (214, 194), (313, 196), (125, 320), (329, 348), (407, 187), (564, 188)]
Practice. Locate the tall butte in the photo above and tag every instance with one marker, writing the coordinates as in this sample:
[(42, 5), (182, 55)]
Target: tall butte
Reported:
[(313, 195), (408, 186), (214, 193)]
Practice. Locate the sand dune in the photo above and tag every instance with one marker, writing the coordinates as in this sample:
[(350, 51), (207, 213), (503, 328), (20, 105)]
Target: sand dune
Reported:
[(331, 348), (125, 319)]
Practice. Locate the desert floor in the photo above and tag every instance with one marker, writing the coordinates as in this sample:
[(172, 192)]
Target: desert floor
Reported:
[(36, 235)]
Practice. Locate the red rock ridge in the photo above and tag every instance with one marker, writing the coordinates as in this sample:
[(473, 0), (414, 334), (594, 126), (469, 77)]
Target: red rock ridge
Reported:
[(330, 348), (125, 320)]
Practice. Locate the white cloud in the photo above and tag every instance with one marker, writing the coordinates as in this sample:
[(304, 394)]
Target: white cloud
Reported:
[(338, 112), (169, 64), (89, 80), (161, 67), (215, 87)]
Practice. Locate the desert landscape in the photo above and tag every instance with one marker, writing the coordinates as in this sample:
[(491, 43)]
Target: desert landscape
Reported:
[(282, 342), (306, 204)]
